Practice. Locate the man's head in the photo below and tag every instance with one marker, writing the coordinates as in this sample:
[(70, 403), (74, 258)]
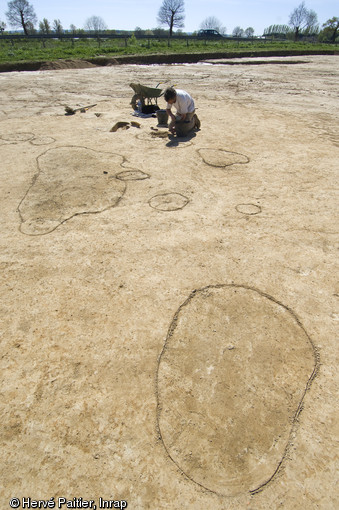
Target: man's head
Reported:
[(170, 95)]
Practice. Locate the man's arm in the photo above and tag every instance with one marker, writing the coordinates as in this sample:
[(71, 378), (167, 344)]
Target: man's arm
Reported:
[(170, 114)]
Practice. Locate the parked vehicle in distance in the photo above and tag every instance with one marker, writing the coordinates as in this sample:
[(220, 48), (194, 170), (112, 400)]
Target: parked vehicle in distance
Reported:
[(209, 33)]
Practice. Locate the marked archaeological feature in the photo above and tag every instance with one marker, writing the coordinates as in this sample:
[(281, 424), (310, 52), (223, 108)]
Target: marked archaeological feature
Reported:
[(232, 375)]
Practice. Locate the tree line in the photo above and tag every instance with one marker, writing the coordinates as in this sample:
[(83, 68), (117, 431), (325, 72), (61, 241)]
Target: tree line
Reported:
[(302, 22)]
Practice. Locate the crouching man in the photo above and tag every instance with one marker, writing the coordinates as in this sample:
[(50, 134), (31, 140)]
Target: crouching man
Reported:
[(185, 119)]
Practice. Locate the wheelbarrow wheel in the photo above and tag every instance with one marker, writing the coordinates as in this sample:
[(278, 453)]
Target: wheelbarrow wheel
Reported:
[(135, 100)]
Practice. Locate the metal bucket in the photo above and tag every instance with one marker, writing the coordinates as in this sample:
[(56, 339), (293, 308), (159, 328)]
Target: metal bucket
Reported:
[(162, 116)]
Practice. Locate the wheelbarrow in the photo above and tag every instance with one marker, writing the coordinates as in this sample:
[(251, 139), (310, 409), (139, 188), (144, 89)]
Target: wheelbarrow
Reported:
[(143, 97)]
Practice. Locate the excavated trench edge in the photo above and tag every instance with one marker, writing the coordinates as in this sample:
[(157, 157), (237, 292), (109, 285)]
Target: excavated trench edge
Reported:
[(175, 58)]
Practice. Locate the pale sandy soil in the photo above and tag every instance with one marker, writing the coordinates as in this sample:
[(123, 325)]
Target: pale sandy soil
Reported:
[(169, 308)]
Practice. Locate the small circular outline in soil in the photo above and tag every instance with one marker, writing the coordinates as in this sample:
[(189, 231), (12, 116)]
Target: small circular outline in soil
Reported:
[(228, 152), (123, 176), (44, 143), (7, 138), (249, 213), (158, 208)]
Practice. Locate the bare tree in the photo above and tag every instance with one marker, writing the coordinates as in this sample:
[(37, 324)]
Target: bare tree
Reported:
[(2, 26), (44, 26), (212, 23), (21, 14), (302, 19), (249, 32), (171, 13), (95, 23), (238, 32)]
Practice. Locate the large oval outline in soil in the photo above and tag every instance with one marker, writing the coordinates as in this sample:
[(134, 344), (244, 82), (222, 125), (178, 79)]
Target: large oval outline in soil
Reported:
[(170, 430)]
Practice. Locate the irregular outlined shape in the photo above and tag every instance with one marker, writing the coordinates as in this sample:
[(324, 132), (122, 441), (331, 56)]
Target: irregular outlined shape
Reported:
[(168, 202), (70, 181), (132, 175), (230, 384), (221, 158), (17, 137), (248, 209)]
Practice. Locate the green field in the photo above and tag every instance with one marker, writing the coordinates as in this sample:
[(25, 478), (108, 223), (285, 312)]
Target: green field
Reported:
[(33, 50)]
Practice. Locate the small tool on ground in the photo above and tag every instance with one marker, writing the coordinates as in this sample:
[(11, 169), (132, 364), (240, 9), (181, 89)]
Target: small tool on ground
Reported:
[(72, 111)]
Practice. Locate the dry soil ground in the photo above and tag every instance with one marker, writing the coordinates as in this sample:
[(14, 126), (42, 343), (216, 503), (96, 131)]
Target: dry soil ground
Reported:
[(169, 307)]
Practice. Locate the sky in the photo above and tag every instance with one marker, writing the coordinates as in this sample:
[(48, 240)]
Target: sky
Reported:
[(129, 14)]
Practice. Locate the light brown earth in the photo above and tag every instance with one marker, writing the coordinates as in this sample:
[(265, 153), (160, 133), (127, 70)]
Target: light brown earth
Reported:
[(169, 308)]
